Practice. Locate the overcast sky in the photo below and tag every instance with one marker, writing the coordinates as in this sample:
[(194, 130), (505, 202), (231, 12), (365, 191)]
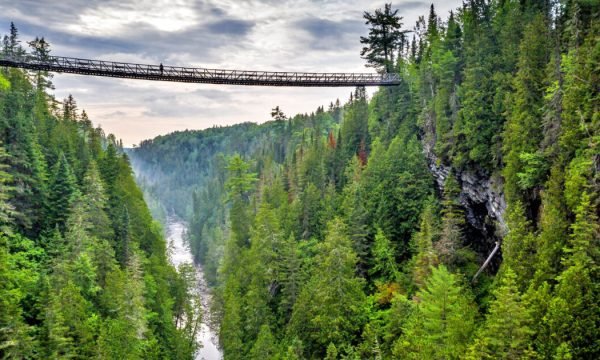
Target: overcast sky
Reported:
[(279, 35)]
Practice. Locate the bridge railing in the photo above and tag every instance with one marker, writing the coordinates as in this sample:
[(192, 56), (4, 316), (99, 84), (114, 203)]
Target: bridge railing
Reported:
[(190, 74)]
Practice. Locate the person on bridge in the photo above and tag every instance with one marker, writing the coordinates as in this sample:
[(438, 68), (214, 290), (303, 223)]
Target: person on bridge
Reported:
[(161, 69)]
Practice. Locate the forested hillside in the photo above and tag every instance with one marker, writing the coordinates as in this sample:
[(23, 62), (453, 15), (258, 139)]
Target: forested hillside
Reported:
[(356, 232), (83, 266)]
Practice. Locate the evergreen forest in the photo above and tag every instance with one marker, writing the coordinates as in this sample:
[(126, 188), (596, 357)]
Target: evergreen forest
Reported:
[(360, 231), (83, 265), (453, 216)]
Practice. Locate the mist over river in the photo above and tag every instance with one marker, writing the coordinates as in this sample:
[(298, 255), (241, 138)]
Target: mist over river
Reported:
[(179, 253)]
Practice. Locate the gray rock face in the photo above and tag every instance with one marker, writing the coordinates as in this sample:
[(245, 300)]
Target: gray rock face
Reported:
[(481, 196)]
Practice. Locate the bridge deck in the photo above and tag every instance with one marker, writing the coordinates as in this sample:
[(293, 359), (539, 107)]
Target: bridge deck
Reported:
[(196, 75)]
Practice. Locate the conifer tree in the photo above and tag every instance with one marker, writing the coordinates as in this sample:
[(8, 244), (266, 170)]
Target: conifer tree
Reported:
[(6, 209), (11, 42), (265, 346), (507, 330), (354, 127), (572, 315), (357, 217), (239, 184), (329, 307), (553, 227), (519, 246), (63, 192), (425, 258), (290, 275), (451, 236), (478, 124), (41, 51), (95, 201), (332, 352), (231, 330), (443, 322), (384, 38), (123, 236), (384, 262), (523, 128)]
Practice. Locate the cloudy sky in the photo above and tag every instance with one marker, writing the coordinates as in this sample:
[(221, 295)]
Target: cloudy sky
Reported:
[(278, 35)]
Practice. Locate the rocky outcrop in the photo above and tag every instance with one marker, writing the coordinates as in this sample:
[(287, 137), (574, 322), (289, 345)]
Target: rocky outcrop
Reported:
[(481, 196)]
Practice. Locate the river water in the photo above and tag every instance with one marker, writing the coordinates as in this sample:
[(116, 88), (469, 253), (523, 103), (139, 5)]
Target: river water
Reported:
[(179, 253)]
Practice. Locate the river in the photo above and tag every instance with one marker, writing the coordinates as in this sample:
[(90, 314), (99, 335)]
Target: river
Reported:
[(179, 253)]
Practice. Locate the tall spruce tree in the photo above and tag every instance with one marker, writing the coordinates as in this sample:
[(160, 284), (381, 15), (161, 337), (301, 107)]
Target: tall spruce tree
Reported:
[(63, 192), (329, 307), (443, 322), (507, 330), (385, 36)]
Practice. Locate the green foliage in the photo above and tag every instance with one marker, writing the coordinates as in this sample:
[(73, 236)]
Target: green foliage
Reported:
[(553, 227), (63, 293), (396, 184), (572, 315), (523, 128), (6, 209), (503, 91), (265, 347), (4, 83), (332, 352), (384, 38), (506, 333), (329, 308), (534, 169), (238, 185), (443, 321), (519, 246), (384, 262), (451, 240), (425, 258), (63, 192)]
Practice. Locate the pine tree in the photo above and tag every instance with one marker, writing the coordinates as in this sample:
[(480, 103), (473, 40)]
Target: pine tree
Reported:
[(123, 236), (354, 126), (63, 192), (553, 227), (291, 276), (425, 258), (7, 211), (70, 322), (95, 201), (329, 307), (524, 128), (478, 124), (572, 315), (384, 262), (11, 43), (432, 24), (122, 332), (239, 184), (353, 208), (265, 346), (370, 347), (453, 222), (332, 352), (40, 49), (277, 114), (443, 322), (384, 38), (231, 328), (506, 332), (519, 246)]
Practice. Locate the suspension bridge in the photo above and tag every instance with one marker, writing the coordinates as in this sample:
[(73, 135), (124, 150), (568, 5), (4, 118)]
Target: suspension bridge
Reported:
[(162, 72)]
